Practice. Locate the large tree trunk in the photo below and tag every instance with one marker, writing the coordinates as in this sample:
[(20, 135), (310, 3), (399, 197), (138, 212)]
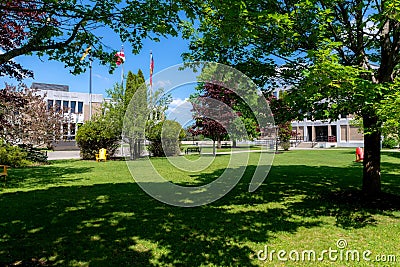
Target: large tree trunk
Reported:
[(131, 150), (219, 145), (372, 158), (234, 143), (136, 149)]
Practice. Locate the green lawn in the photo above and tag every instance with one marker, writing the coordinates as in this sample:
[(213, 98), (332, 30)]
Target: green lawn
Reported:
[(83, 213)]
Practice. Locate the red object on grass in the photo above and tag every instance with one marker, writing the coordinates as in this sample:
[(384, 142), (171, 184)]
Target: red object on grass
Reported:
[(359, 154)]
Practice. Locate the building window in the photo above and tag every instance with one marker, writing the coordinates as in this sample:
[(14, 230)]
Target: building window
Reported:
[(50, 104), (65, 106), (80, 107), (72, 129), (58, 105), (73, 106)]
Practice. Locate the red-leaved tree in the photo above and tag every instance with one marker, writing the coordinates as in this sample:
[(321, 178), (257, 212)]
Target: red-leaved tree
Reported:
[(213, 113), (25, 118)]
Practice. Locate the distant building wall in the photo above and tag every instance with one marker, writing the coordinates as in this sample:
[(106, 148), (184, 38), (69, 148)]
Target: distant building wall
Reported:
[(74, 105), (340, 132)]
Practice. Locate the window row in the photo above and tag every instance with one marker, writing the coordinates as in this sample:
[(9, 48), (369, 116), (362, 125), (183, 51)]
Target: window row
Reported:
[(67, 106)]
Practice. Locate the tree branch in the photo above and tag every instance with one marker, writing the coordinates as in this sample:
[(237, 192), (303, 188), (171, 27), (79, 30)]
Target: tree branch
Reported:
[(28, 48)]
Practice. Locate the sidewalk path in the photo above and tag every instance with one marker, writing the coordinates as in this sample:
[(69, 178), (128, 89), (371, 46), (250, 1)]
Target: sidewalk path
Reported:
[(52, 155)]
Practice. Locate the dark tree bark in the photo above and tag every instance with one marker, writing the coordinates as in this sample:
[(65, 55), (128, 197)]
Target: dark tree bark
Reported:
[(234, 143), (219, 145), (372, 158)]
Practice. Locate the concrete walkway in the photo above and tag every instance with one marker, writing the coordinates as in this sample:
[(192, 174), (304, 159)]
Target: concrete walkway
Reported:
[(53, 155)]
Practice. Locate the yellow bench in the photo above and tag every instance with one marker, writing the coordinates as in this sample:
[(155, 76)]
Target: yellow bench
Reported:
[(4, 173), (102, 155)]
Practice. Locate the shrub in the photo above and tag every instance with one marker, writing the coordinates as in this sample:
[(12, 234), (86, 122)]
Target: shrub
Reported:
[(165, 138), (96, 134), (390, 142), (13, 156), (285, 145), (33, 154), (285, 131)]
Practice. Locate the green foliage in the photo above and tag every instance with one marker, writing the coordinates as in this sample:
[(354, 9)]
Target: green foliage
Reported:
[(389, 110), (390, 142), (71, 207), (133, 82), (136, 114), (330, 89), (62, 30), (165, 138), (13, 156), (334, 57), (285, 131), (285, 145), (133, 109), (96, 134), (34, 154), (126, 116)]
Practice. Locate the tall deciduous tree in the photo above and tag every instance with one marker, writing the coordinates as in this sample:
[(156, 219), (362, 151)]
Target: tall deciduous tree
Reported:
[(336, 57), (26, 119), (62, 30), (213, 111), (211, 128)]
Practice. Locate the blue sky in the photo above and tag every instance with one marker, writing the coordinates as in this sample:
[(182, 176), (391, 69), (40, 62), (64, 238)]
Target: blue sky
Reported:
[(166, 53)]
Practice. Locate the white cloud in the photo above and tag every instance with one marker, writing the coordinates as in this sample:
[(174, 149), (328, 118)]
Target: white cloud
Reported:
[(180, 110), (371, 27), (178, 102), (163, 84)]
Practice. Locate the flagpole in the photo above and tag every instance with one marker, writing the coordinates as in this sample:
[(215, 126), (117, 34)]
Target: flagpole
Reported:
[(151, 86), (87, 53), (90, 88), (122, 68), (151, 74)]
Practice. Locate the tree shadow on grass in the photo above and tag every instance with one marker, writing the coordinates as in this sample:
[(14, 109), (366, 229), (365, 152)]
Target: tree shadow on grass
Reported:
[(120, 225), (318, 191), (33, 177), (102, 225)]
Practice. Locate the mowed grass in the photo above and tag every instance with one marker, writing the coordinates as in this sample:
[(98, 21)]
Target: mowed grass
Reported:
[(83, 213)]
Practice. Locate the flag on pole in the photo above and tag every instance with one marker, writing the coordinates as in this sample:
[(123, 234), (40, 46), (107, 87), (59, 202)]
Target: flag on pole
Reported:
[(87, 51), (120, 57), (151, 68)]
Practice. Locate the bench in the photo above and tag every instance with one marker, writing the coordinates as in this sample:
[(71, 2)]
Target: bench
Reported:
[(4, 172), (193, 149)]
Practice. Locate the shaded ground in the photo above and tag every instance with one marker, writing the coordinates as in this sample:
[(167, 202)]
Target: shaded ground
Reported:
[(307, 196)]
